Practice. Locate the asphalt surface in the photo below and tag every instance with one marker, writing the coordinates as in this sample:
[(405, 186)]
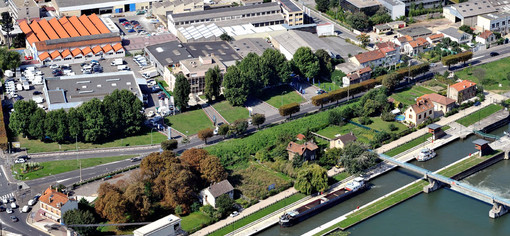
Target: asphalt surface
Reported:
[(38, 185)]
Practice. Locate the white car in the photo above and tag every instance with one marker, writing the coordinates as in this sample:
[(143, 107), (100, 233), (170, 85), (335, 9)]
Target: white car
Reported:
[(5, 201), (234, 214), (216, 130), (20, 160), (9, 211), (13, 205), (54, 66)]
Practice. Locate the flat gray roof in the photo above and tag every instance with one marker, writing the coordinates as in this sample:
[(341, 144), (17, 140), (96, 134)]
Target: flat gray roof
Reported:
[(225, 12), (473, 8), (481, 142), (453, 32), (220, 49), (495, 16), (364, 3), (70, 3), (434, 126), (82, 88), (289, 5), (255, 45), (393, 2), (415, 31), (169, 53)]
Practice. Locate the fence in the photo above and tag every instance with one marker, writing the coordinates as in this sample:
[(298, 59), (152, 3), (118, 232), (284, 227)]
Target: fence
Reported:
[(362, 126)]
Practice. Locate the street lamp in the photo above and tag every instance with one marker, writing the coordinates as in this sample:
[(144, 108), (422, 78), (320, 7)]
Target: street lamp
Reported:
[(55, 179)]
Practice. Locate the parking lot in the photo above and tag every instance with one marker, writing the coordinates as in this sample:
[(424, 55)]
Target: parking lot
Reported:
[(138, 25)]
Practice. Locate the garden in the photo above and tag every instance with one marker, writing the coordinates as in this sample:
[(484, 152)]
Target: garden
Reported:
[(408, 95), (231, 113), (281, 95), (479, 115), (490, 75), (189, 122)]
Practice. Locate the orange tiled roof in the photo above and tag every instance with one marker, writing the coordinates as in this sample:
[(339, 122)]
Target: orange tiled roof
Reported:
[(99, 24), (370, 56), (365, 70), (38, 31), (68, 27), (434, 97), (86, 50), (300, 148), (54, 54), (422, 104), (48, 29), (78, 26), (58, 28), (44, 55), (463, 85), (43, 46), (24, 27), (485, 35), (117, 47), (436, 36), (88, 25), (107, 48), (32, 38), (66, 53), (54, 198), (300, 136), (97, 49), (76, 52)]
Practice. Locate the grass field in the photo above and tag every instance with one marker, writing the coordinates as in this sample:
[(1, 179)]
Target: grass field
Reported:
[(257, 215), (61, 166), (327, 86), (281, 95), (479, 115), (231, 113), (362, 134), (464, 165), (413, 143), (490, 75), (381, 125), (341, 176), (408, 95), (189, 122), (194, 221), (35, 146)]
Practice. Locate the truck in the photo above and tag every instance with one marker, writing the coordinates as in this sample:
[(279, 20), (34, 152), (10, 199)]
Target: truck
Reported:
[(19, 87), (122, 67), (150, 74), (117, 62), (26, 85)]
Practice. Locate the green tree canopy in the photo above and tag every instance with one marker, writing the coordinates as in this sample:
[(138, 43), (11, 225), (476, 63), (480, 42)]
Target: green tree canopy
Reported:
[(236, 90), (358, 21), (325, 63), (311, 178), (306, 62), (78, 217), (212, 83), (181, 91)]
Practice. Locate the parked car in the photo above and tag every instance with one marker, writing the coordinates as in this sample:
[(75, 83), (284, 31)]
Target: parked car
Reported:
[(5, 201), (36, 93), (18, 161), (13, 205), (37, 196), (2, 208), (25, 209), (32, 202), (234, 214), (9, 210), (134, 159), (12, 199), (14, 219), (54, 66), (477, 103), (122, 20), (493, 54)]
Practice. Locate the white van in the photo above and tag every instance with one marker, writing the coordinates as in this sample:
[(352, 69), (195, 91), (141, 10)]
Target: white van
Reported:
[(31, 202), (25, 209), (122, 67)]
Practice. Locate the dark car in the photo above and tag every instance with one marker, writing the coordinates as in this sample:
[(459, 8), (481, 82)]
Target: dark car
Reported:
[(122, 20), (2, 208), (36, 93), (12, 199), (493, 54), (389, 33), (14, 219), (135, 159), (477, 103)]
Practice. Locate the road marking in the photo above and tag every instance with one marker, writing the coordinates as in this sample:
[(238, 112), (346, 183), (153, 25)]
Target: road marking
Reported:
[(477, 58), (62, 180), (6, 196)]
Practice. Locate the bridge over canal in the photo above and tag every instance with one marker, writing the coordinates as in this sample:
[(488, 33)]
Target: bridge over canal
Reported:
[(500, 205)]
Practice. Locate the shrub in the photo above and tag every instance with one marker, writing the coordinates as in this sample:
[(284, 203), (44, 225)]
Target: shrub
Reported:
[(289, 109), (169, 144), (208, 210), (392, 127), (364, 120), (387, 116)]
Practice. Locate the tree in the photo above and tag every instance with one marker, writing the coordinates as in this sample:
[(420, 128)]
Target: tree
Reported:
[(391, 81), (95, 123), (289, 109), (124, 114), (251, 69), (192, 157), (56, 126), (306, 62), (110, 203), (364, 39), (75, 120), (205, 134), (20, 118), (325, 64), (224, 204), (223, 129), (36, 126), (335, 117), (236, 90), (355, 158), (321, 99), (169, 144), (7, 26), (137, 202), (9, 60), (358, 21), (239, 126), (277, 68), (258, 119), (311, 178), (226, 37), (181, 91), (466, 29), (78, 217), (155, 163), (212, 83), (330, 158), (322, 5), (380, 17), (176, 185), (212, 170)]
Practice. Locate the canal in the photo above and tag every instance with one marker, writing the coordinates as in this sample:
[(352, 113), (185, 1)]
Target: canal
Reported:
[(386, 184)]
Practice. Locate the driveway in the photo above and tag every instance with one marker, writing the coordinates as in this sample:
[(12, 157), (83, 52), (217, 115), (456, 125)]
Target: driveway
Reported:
[(258, 106), (309, 89)]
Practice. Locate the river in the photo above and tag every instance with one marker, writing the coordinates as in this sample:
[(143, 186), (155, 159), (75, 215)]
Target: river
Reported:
[(409, 210)]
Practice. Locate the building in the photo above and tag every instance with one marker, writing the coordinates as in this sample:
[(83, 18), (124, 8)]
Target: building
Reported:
[(72, 39), (419, 112), (495, 22), (461, 91), (369, 7), (456, 35), (381, 28), (176, 6), (293, 14), (414, 32), (251, 2), (71, 91), (467, 12), (78, 8), (442, 104), (307, 150), (194, 69), (435, 38), (326, 29), (415, 47), (386, 54), (54, 204), (289, 42), (248, 45), (342, 140), (167, 226), (486, 37), (357, 76), (395, 8), (257, 15), (211, 193), (23, 9)]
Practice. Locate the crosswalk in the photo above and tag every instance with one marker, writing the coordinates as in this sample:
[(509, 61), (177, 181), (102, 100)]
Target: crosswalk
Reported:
[(7, 196)]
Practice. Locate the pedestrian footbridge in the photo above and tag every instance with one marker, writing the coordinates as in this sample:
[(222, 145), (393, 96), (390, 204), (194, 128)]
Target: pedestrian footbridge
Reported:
[(500, 205)]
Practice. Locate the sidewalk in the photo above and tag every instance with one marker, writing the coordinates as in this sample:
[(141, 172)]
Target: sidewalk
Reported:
[(262, 204), (36, 221)]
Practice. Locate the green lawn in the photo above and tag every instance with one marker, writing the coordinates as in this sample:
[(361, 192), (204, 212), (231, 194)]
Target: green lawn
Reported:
[(341, 176), (281, 95), (257, 215), (194, 221), (35, 146), (464, 165), (381, 125), (479, 115), (408, 95), (189, 122), (490, 75), (327, 86), (61, 166), (413, 143), (362, 134), (231, 113)]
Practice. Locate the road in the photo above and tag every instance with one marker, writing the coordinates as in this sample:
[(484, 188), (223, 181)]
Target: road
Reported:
[(69, 178)]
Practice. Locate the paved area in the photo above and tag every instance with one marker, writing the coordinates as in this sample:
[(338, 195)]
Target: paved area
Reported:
[(90, 190), (341, 47), (310, 90), (139, 42), (213, 115), (258, 106), (35, 220)]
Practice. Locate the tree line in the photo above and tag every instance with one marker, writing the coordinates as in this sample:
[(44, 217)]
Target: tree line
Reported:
[(118, 115), (454, 59)]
